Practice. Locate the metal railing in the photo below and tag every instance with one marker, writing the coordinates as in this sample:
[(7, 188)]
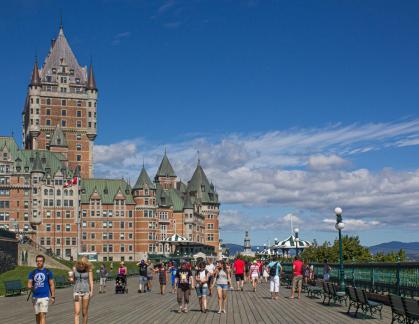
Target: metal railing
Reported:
[(401, 278)]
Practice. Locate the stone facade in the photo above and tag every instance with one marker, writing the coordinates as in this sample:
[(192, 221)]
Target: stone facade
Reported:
[(106, 216)]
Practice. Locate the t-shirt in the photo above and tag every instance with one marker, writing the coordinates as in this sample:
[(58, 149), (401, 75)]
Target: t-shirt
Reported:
[(298, 267), (40, 282), (103, 272), (278, 266), (254, 269), (143, 270), (326, 268), (239, 266), (173, 271), (183, 276), (162, 273)]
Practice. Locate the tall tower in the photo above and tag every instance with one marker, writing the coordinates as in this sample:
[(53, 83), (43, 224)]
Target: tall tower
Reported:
[(64, 94), (247, 246)]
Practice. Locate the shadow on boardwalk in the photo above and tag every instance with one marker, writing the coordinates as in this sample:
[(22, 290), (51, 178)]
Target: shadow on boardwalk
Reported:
[(242, 307)]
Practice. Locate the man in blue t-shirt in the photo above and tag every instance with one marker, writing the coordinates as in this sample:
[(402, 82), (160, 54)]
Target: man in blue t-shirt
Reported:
[(274, 270), (41, 283)]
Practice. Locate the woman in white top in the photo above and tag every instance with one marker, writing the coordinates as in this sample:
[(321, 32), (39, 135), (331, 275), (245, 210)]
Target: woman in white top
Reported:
[(254, 274), (201, 287)]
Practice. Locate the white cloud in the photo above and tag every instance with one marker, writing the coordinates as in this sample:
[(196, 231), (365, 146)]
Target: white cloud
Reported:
[(297, 169), (119, 37), (325, 162)]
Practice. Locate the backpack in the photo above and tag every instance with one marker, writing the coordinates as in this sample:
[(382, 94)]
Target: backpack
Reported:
[(272, 270)]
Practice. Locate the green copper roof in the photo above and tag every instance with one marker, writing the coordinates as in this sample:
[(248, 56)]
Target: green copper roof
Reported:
[(106, 188), (200, 187), (37, 164), (10, 144), (58, 138), (188, 202), (165, 168), (143, 181), (177, 201), (163, 197)]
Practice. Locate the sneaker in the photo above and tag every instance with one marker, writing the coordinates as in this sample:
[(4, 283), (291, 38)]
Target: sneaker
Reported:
[(224, 311), (179, 310), (185, 310), (219, 312)]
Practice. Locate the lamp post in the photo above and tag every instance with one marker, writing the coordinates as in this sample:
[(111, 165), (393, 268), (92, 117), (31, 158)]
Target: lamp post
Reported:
[(339, 227), (296, 231)]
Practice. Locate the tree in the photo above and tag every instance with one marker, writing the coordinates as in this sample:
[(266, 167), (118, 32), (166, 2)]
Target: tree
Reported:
[(352, 251)]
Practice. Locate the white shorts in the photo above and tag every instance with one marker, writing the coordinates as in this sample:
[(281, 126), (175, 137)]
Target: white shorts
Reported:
[(255, 276), (274, 284), (102, 281), (41, 305)]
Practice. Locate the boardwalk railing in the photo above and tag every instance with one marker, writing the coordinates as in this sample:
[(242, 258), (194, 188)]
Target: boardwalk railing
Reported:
[(401, 278)]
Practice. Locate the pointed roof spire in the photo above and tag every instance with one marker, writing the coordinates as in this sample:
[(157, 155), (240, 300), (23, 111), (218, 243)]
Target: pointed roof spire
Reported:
[(143, 180), (188, 202), (35, 80), (91, 82), (165, 168), (58, 138)]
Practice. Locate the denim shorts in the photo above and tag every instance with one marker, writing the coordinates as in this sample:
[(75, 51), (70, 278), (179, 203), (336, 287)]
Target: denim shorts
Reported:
[(222, 286), (201, 291)]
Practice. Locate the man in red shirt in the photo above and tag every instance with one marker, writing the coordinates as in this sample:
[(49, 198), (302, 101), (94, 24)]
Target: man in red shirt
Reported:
[(297, 280), (239, 272)]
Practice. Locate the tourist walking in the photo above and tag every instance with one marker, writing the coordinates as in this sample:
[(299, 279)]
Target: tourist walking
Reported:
[(274, 269), (201, 286), (184, 282), (222, 281), (142, 280), (173, 270), (162, 273), (254, 274), (311, 272), (41, 285), (265, 272), (229, 273), (210, 267), (306, 273), (297, 280), (239, 266), (103, 274), (326, 270), (82, 278), (149, 275)]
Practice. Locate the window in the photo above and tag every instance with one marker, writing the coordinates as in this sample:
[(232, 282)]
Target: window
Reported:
[(90, 104), (48, 103), (210, 237), (79, 124), (79, 158), (78, 105), (63, 102), (58, 228), (67, 241), (122, 225), (78, 147), (210, 226), (73, 241), (79, 112), (78, 136), (48, 227), (48, 122), (63, 123), (67, 227), (63, 112), (84, 213), (89, 124), (92, 224)]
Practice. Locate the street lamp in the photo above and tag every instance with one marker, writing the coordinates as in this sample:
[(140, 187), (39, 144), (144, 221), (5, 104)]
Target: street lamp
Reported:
[(296, 231), (339, 227)]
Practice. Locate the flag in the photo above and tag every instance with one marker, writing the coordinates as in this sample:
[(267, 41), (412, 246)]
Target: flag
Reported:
[(71, 182)]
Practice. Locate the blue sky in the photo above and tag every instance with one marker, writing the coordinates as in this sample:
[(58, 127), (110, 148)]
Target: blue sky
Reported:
[(296, 106)]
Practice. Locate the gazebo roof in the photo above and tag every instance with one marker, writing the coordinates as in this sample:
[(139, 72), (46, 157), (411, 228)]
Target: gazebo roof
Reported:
[(176, 238), (290, 243)]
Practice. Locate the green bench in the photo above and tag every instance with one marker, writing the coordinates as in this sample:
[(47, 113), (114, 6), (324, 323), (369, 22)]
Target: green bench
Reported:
[(61, 282), (14, 287)]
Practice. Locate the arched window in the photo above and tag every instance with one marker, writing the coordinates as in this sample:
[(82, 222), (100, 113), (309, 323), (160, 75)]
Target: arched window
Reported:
[(65, 192), (46, 192), (58, 192), (51, 192), (71, 192)]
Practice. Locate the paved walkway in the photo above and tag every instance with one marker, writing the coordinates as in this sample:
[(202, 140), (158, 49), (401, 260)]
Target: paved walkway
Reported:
[(243, 307)]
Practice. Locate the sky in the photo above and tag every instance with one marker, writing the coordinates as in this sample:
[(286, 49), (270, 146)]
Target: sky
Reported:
[(296, 107)]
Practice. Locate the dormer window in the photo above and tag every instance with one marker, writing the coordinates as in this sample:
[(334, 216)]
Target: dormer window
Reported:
[(71, 72), (59, 141), (54, 70), (203, 188), (77, 80), (105, 191), (49, 78)]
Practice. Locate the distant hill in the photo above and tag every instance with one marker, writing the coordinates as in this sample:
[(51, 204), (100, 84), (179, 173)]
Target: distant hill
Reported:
[(235, 248), (411, 249)]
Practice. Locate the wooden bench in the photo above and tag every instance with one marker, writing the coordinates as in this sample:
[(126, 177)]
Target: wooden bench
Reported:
[(14, 287), (411, 307), (368, 305), (316, 290)]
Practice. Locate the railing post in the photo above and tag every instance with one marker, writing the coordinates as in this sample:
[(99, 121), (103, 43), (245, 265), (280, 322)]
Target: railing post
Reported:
[(398, 276), (372, 278)]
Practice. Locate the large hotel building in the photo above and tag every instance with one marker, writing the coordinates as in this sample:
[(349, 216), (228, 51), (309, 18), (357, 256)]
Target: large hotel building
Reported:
[(106, 216)]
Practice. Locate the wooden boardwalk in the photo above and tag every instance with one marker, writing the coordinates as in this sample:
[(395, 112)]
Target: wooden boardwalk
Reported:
[(243, 307)]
